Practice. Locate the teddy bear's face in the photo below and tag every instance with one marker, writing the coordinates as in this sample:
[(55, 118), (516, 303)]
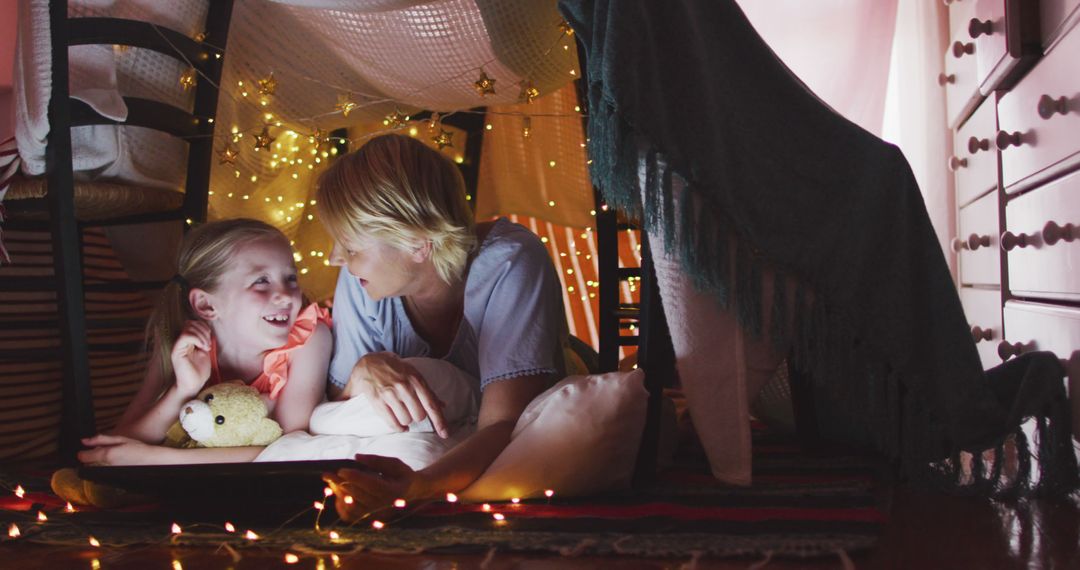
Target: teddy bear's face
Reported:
[(228, 415)]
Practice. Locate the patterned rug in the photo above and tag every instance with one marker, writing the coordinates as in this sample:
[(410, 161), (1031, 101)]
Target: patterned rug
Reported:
[(800, 505)]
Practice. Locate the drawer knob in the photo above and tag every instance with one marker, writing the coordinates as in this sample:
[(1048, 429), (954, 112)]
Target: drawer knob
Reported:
[(1006, 139), (1007, 350), (959, 244), (1053, 233), (959, 49), (978, 27), (975, 144), (1048, 106), (956, 163), (975, 241), (1010, 240), (942, 79), (979, 334)]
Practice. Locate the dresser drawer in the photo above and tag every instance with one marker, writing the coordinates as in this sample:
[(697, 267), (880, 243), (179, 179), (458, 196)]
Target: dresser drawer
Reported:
[(975, 159), (1007, 40), (1036, 326), (977, 242), (1042, 247), (1055, 19), (983, 310), (1040, 119)]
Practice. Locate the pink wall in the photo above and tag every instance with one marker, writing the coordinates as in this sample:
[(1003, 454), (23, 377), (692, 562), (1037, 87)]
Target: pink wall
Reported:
[(8, 16)]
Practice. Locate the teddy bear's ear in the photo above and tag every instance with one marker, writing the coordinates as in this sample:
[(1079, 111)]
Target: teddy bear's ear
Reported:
[(266, 432)]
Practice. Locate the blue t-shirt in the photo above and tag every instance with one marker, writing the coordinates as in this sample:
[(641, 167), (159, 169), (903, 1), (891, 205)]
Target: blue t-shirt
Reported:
[(514, 324)]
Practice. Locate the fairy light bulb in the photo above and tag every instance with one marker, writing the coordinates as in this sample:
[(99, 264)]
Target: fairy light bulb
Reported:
[(177, 565), (95, 564), (19, 491), (229, 527), (499, 517), (548, 493), (13, 531), (291, 558), (68, 508), (486, 508), (377, 525), (399, 503), (348, 499), (515, 500), (318, 506), (41, 516), (94, 542), (451, 498), (250, 535), (334, 535), (176, 529)]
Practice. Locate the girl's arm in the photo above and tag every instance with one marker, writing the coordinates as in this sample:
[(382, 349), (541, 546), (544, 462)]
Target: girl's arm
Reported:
[(191, 369), (307, 381), (119, 450)]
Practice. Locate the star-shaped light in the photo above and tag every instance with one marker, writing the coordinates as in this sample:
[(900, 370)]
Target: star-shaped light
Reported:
[(228, 154), (443, 139), (395, 120), (187, 78), (528, 92), (485, 85), (267, 85), (345, 104), (263, 140), (319, 138)]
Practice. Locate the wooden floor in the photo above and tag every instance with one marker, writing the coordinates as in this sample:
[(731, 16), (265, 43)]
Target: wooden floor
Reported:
[(925, 532)]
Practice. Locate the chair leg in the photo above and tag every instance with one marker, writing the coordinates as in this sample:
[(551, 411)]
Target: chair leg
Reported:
[(657, 357), (77, 407)]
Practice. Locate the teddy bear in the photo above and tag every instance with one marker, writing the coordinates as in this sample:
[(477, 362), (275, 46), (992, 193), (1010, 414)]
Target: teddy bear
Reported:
[(229, 414), (224, 415)]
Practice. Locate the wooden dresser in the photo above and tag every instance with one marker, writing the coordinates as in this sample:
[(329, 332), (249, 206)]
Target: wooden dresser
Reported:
[(1012, 83)]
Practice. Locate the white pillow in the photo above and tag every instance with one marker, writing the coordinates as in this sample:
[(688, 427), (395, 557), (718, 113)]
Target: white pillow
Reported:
[(579, 437)]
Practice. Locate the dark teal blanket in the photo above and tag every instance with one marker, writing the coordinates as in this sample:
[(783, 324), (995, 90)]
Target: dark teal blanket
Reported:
[(821, 200)]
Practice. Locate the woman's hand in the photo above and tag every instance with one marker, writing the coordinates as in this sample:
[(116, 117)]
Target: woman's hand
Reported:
[(397, 391), (191, 358), (115, 450), (382, 481)]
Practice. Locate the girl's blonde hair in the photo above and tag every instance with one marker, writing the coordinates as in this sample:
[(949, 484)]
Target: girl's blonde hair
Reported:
[(205, 254), (396, 189)]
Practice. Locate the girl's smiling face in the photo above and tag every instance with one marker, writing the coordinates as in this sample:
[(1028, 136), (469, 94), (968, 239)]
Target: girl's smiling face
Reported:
[(258, 298)]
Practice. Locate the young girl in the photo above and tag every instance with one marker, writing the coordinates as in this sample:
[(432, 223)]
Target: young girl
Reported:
[(232, 312)]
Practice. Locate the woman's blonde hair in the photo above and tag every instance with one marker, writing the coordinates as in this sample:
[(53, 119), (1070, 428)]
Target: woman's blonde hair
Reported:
[(396, 189), (205, 254)]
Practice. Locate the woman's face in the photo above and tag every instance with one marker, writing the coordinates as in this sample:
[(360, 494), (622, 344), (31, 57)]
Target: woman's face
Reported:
[(382, 269)]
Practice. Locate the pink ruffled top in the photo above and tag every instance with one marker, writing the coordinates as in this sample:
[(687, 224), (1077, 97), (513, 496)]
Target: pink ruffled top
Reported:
[(276, 363)]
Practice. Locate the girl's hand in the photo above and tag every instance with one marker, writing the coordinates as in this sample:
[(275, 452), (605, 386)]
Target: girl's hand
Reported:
[(115, 450), (377, 486), (191, 358), (397, 391)]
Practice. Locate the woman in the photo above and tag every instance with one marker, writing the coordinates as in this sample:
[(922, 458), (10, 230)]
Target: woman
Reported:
[(420, 278)]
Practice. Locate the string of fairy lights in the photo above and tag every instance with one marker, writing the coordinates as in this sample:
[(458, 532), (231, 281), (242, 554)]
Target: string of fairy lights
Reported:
[(291, 150), (328, 539)]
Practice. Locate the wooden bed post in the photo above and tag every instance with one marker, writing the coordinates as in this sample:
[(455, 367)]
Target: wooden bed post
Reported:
[(77, 420)]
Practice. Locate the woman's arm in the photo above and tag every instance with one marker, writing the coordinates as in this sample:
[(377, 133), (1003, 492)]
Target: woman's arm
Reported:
[(119, 450), (501, 406), (307, 381)]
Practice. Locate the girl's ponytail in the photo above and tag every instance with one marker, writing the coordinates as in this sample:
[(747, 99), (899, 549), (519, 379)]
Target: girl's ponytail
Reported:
[(170, 313)]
